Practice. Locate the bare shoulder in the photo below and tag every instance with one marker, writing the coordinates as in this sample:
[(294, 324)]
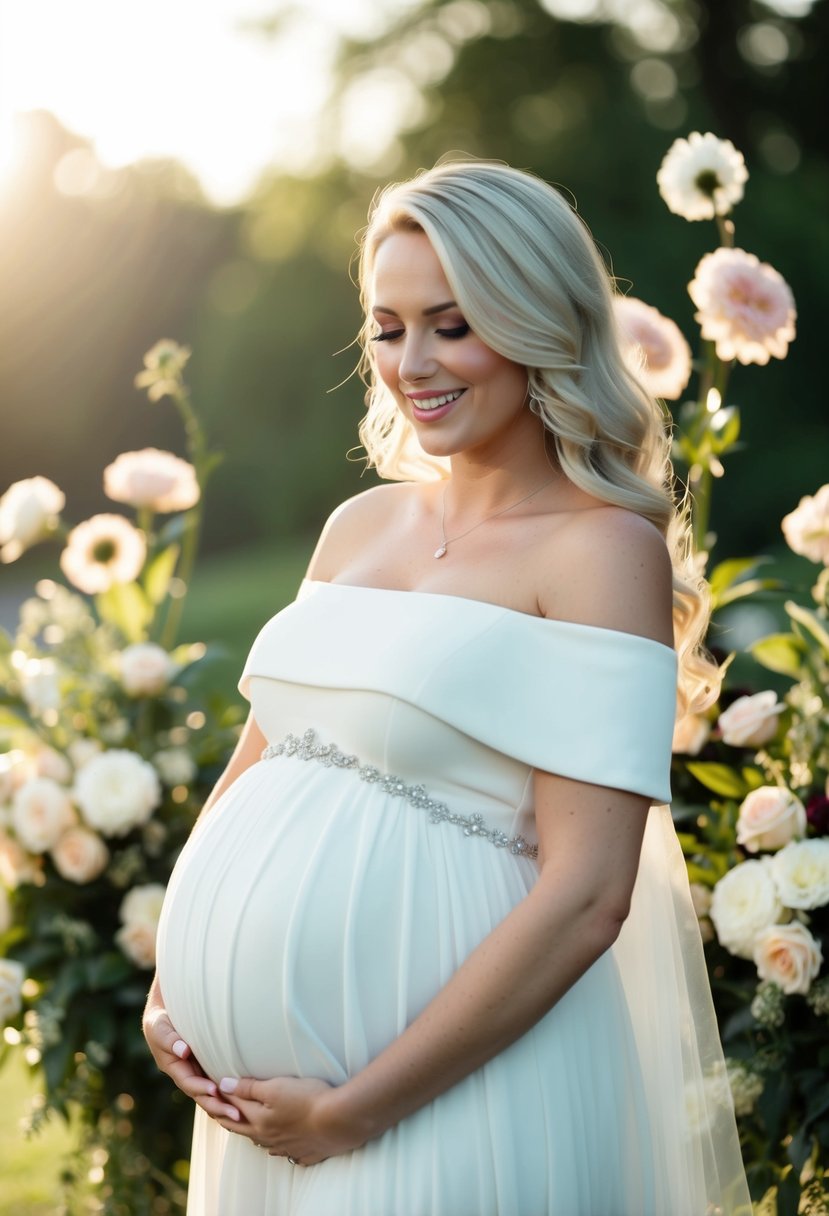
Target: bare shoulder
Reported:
[(346, 528), (608, 566)]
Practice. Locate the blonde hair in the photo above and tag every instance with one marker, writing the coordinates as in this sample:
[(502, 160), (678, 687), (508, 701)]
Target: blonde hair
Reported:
[(530, 282)]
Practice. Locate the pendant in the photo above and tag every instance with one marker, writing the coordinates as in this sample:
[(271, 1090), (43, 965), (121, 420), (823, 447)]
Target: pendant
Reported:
[(440, 552)]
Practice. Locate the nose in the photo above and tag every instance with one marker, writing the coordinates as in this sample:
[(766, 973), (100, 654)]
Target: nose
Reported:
[(417, 361)]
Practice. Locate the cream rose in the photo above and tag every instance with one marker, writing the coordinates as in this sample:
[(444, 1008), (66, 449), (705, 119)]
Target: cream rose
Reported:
[(806, 528), (690, 734), (745, 900), (801, 873), (12, 976), (788, 955), (146, 669), (152, 478), (80, 855), (51, 763), (28, 510), (117, 791), (41, 813), (82, 750), (751, 721), (140, 911), (16, 865), (769, 818), (175, 766)]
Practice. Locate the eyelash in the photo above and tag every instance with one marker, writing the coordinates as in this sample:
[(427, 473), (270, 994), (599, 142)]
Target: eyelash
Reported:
[(459, 331)]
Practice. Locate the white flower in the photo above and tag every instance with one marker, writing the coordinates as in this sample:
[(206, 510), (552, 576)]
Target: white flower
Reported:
[(41, 813), (744, 306), (701, 897), (789, 956), (690, 734), (175, 766), (746, 1086), (745, 901), (80, 855), (16, 865), (48, 762), (40, 685), (654, 347), (81, 751), (152, 478), (806, 528), (117, 791), (163, 365), (12, 976), (146, 669), (751, 721), (801, 873), (702, 176), (5, 911), (140, 911), (28, 510), (103, 550), (769, 818)]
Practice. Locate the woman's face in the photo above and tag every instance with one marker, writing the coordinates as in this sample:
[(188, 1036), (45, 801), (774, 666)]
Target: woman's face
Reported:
[(458, 393)]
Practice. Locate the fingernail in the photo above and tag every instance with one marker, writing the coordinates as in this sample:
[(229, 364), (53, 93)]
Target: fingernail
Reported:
[(180, 1047), (211, 1089), (232, 1113), (227, 1085)]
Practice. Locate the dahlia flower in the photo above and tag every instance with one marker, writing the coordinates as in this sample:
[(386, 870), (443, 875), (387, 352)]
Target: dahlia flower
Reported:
[(654, 346), (745, 307), (702, 176)]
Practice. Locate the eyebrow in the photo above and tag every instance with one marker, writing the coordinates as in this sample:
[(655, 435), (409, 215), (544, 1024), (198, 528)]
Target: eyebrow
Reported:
[(427, 312)]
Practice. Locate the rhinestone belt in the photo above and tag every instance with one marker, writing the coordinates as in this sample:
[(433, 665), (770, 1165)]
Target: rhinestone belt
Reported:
[(308, 748)]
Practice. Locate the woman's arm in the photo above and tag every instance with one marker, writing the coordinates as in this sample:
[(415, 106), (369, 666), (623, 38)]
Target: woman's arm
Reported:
[(589, 843)]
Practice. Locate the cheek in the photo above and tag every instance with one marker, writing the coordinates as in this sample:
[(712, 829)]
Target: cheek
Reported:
[(386, 363), (479, 364)]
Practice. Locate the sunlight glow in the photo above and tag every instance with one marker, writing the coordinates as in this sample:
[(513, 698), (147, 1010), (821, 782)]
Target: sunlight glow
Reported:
[(210, 84)]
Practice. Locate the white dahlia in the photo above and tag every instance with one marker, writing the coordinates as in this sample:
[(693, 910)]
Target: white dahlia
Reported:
[(806, 528), (103, 550), (152, 478), (117, 791), (654, 347), (702, 176), (28, 510)]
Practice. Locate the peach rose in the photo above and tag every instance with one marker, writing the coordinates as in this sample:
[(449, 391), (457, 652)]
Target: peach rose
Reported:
[(788, 955), (16, 865), (751, 721), (146, 669), (41, 813), (769, 818), (80, 855), (140, 911)]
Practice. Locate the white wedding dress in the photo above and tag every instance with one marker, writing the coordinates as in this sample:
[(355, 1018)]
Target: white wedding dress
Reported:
[(340, 881)]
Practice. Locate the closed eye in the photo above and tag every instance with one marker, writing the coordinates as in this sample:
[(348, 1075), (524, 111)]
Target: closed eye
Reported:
[(458, 331)]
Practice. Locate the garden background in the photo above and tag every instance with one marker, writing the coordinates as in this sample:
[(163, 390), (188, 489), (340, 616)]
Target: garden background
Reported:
[(97, 265)]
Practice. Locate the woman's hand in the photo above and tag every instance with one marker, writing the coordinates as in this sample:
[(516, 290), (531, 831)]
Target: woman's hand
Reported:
[(173, 1056), (290, 1117)]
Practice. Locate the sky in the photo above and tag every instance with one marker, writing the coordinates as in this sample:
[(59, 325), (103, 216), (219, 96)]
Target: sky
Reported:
[(182, 78)]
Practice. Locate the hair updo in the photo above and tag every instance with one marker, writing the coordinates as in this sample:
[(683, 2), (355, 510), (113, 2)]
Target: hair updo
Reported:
[(530, 282)]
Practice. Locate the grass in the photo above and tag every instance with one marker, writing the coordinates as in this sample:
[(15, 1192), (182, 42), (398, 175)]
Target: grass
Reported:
[(29, 1168)]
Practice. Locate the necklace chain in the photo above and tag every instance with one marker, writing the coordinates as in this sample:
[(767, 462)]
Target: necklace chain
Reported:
[(441, 549)]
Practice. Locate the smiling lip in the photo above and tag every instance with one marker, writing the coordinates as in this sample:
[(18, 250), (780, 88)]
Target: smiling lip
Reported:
[(428, 394), (436, 412)]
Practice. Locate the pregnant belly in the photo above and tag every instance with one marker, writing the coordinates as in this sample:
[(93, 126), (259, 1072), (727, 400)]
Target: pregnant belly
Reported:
[(311, 917)]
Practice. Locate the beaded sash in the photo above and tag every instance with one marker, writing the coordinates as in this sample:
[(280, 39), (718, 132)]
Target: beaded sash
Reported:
[(327, 754)]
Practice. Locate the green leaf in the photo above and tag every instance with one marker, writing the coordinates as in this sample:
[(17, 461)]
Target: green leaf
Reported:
[(781, 652), (159, 572), (753, 777), (751, 586), (107, 970), (726, 573), (725, 428), (719, 778), (126, 607), (788, 1194), (810, 623)]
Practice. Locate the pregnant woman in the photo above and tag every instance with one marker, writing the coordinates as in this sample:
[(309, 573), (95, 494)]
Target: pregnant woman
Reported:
[(430, 949)]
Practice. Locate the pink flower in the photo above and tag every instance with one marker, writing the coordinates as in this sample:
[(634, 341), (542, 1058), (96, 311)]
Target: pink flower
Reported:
[(655, 347), (806, 528), (745, 307), (152, 478), (103, 550)]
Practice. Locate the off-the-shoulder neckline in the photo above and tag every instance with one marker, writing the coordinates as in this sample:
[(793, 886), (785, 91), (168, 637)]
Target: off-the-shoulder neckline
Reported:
[(545, 621)]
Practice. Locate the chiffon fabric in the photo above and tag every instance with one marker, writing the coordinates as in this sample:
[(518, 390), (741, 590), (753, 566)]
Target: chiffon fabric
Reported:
[(320, 905)]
